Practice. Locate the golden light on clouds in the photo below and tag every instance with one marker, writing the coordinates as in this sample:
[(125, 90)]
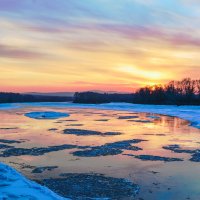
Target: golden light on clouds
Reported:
[(81, 45), (138, 72)]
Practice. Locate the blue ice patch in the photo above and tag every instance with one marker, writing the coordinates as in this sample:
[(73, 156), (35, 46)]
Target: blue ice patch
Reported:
[(46, 115)]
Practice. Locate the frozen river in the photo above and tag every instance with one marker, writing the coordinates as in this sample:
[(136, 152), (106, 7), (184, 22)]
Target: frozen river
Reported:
[(87, 153)]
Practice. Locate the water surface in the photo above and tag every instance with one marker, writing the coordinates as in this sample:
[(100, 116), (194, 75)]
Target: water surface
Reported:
[(156, 179)]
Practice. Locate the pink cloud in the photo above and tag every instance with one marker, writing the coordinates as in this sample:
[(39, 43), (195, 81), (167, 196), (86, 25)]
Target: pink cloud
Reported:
[(14, 52), (185, 40)]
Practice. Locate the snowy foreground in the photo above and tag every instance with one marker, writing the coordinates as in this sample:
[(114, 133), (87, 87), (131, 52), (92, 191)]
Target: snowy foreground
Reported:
[(15, 186), (190, 113)]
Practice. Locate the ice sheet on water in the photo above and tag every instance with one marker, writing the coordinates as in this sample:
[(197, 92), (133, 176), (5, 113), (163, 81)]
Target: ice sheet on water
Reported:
[(46, 115)]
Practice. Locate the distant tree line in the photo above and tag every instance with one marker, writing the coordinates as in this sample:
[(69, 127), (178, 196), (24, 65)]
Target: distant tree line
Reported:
[(94, 97), (184, 92), (19, 98)]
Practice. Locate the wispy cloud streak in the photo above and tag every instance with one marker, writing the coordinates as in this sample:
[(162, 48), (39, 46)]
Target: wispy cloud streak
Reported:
[(60, 44)]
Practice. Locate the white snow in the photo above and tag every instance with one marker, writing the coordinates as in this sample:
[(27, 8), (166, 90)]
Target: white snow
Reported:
[(13, 185), (190, 113), (6, 106)]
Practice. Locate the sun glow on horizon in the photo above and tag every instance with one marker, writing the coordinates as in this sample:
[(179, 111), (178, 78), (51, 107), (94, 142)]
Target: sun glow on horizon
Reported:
[(88, 45), (147, 74)]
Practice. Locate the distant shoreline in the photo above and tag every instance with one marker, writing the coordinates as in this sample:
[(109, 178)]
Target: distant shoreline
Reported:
[(6, 97), (189, 113)]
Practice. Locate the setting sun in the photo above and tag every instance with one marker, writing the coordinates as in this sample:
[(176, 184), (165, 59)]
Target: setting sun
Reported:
[(93, 45)]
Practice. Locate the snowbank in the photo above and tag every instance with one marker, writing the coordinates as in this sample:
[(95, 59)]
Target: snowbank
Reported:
[(15, 186), (190, 113), (6, 106)]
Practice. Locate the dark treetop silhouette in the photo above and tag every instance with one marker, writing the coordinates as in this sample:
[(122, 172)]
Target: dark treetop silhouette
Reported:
[(17, 98), (185, 92)]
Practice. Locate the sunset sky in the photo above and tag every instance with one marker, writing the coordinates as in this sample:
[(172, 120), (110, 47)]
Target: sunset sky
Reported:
[(110, 45)]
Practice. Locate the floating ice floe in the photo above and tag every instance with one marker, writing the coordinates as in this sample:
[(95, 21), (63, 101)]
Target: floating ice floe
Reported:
[(46, 115)]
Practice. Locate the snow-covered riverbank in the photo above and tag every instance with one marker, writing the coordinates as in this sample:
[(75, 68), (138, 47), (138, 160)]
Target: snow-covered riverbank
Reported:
[(13, 185), (190, 113)]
